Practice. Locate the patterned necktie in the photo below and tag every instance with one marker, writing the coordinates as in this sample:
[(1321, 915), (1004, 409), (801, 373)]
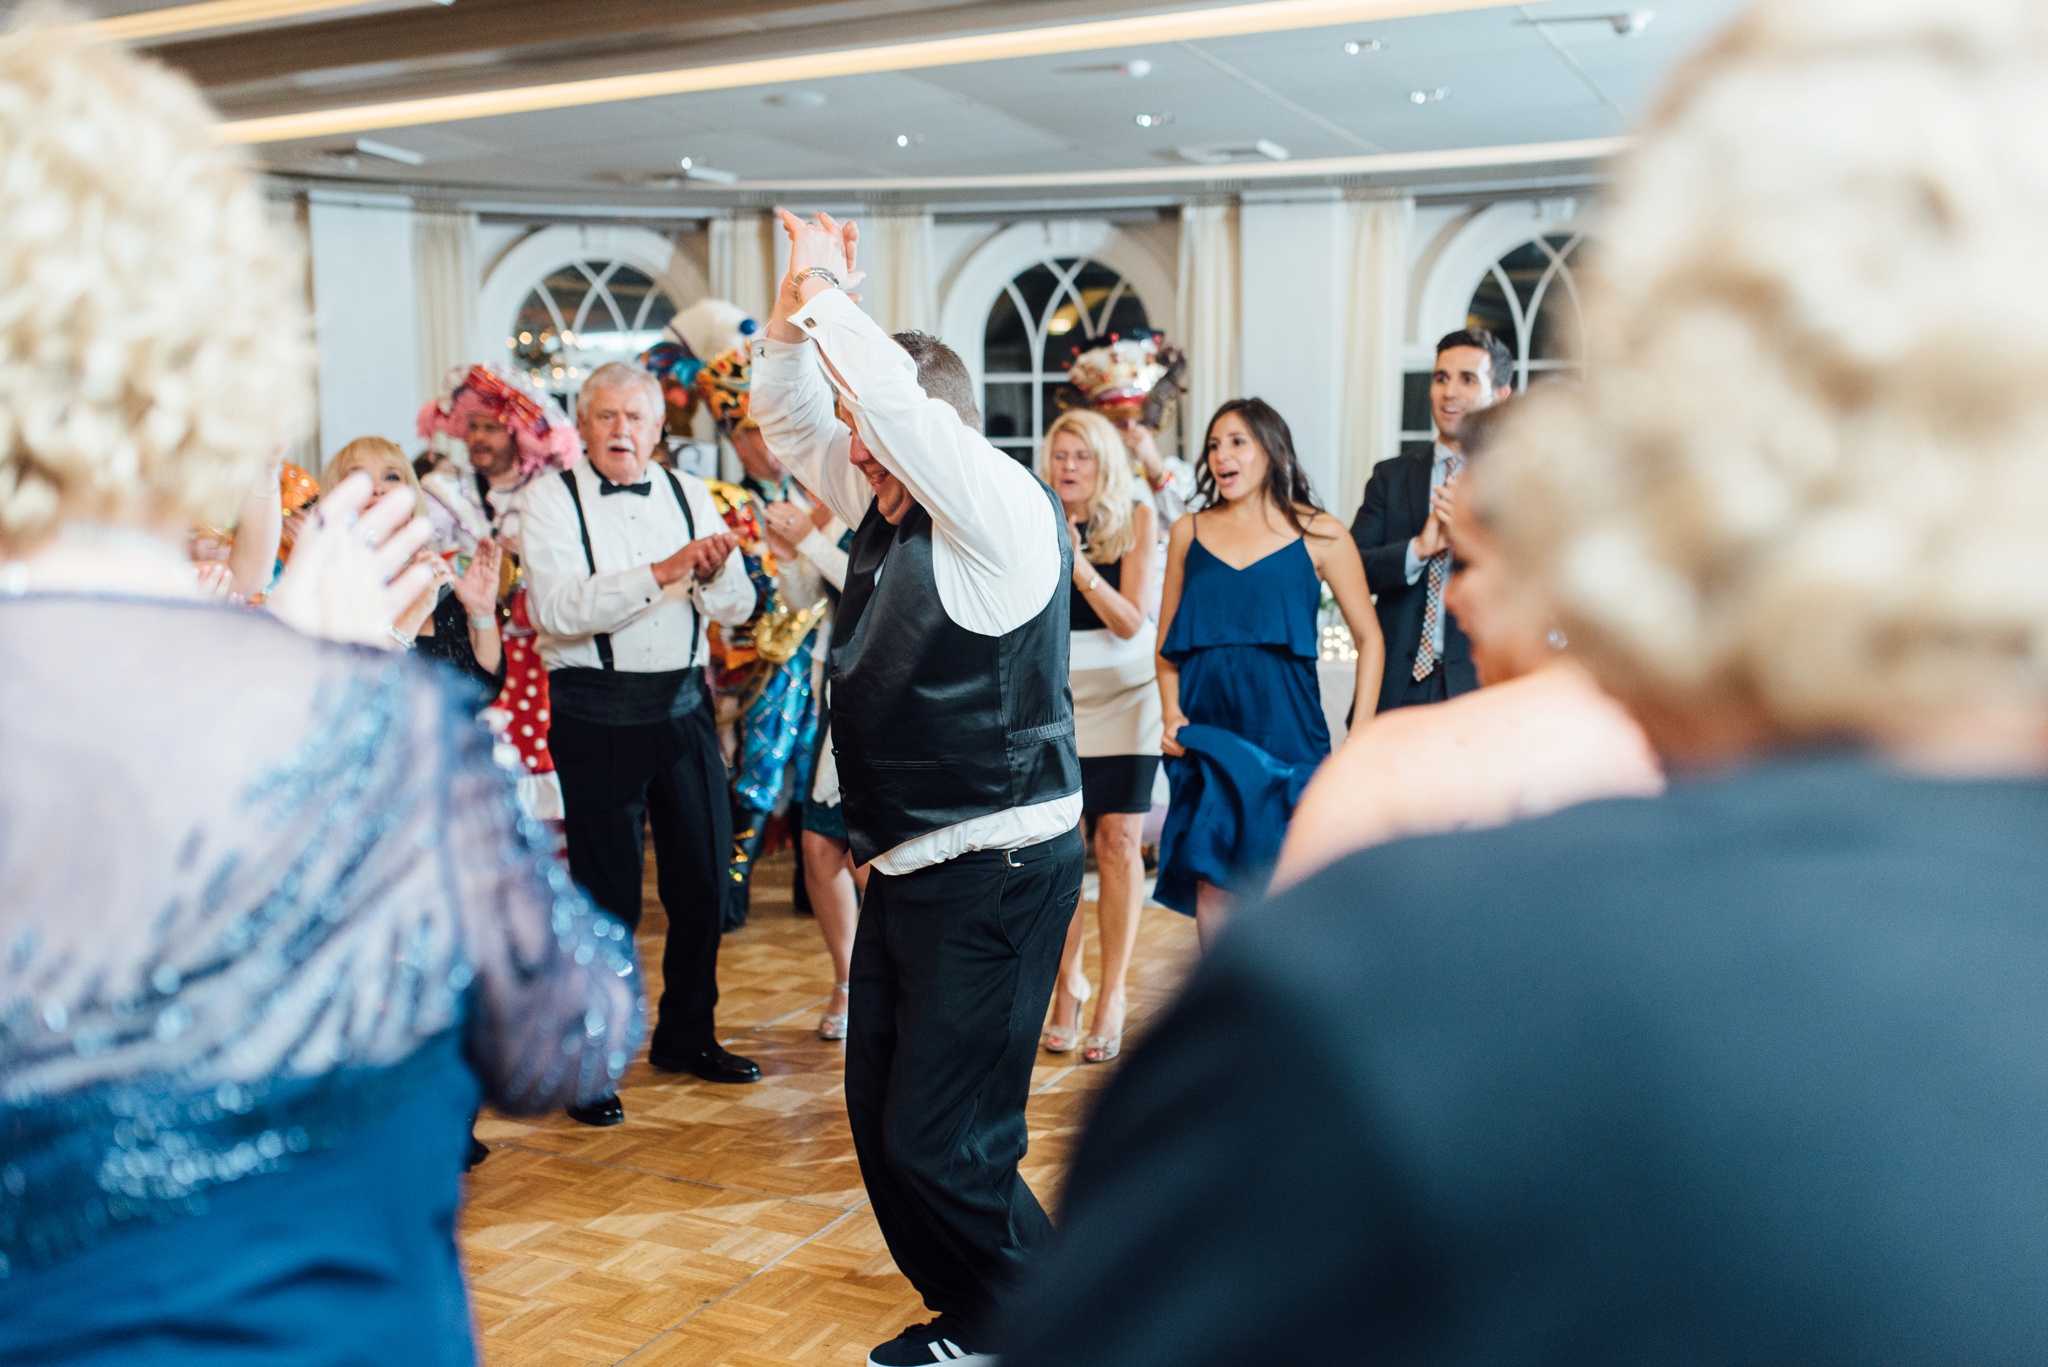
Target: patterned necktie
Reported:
[(1433, 603)]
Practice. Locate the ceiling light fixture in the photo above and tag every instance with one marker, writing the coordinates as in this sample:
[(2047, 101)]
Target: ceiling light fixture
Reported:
[(1436, 96), (692, 171), (910, 139), (214, 14), (370, 147), (1224, 21), (1358, 46), (1223, 153), (1137, 69), (1625, 23), (1159, 120)]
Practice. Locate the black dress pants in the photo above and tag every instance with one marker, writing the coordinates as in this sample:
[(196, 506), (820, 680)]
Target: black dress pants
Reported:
[(953, 969), (672, 774)]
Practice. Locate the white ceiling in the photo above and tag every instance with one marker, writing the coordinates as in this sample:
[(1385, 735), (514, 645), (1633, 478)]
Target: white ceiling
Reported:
[(1510, 82)]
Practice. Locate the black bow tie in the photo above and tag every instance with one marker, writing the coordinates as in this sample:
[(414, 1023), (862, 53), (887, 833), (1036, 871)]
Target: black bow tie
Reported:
[(605, 486)]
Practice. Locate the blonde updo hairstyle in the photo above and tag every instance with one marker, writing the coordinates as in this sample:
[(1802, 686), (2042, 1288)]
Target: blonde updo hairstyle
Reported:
[(153, 340), (1111, 526), (1807, 475)]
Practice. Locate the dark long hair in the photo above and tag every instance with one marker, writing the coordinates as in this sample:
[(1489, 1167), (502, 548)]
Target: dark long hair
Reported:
[(1286, 485)]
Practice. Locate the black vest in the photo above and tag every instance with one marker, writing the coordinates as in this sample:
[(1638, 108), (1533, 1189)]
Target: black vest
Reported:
[(933, 724)]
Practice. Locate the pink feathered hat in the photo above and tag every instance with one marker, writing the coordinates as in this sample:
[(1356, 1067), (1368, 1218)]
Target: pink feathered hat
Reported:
[(546, 437)]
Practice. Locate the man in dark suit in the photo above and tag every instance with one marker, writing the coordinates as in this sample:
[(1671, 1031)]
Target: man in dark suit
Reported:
[(1401, 529)]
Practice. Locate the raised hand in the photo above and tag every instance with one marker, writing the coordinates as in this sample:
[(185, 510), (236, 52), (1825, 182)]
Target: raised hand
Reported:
[(701, 559), (351, 572)]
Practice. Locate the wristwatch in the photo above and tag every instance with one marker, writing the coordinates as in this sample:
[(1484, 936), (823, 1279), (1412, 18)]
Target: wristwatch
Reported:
[(821, 272)]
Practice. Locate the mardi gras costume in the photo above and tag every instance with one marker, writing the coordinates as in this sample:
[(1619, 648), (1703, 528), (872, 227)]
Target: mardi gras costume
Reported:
[(764, 669), (474, 510), (1136, 380), (706, 328)]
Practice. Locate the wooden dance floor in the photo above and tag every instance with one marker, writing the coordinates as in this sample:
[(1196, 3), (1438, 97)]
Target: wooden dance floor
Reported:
[(727, 1225)]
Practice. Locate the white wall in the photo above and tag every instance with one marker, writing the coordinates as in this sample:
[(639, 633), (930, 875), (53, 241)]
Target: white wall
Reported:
[(1292, 308), (363, 318)]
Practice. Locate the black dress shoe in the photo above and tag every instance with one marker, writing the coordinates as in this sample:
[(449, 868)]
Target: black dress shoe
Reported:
[(711, 1063), (607, 1111)]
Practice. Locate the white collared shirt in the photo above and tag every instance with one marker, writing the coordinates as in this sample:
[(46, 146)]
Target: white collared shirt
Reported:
[(651, 627), (995, 547)]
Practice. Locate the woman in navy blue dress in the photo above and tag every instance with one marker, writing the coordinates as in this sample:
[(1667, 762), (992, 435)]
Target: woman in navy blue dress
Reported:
[(1237, 660)]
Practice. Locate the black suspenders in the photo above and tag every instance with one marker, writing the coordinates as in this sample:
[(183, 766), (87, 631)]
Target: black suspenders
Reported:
[(603, 639)]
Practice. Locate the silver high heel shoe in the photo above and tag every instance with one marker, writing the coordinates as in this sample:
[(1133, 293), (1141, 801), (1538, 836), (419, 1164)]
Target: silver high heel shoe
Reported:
[(834, 1027), (1061, 1039)]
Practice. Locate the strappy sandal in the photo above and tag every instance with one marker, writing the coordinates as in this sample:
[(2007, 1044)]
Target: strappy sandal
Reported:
[(1061, 1039), (834, 1027), (1102, 1048)]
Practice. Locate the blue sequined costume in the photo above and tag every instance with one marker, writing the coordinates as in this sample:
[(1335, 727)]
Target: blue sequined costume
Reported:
[(270, 926)]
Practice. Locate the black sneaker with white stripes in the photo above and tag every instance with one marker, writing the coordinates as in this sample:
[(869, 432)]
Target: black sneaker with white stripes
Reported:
[(923, 1344)]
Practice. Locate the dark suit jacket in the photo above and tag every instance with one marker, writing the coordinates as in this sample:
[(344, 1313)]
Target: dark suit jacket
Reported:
[(1756, 1072), (1396, 505)]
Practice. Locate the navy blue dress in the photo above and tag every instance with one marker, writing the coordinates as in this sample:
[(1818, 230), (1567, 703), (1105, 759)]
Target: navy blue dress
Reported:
[(271, 925), (1245, 643)]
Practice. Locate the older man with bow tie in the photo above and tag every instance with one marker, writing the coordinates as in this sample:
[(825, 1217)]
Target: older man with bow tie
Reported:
[(628, 563)]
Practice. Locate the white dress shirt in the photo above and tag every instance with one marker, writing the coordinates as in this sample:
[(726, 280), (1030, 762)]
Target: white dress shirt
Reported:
[(995, 552), (1439, 471), (650, 626)]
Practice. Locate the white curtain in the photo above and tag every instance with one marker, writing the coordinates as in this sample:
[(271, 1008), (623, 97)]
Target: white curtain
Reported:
[(897, 254), (743, 261), (1377, 231), (1209, 312), (445, 288), (288, 220)]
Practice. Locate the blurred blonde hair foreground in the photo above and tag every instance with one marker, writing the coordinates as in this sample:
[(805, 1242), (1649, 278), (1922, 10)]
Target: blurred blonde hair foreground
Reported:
[(153, 342), (1807, 477)]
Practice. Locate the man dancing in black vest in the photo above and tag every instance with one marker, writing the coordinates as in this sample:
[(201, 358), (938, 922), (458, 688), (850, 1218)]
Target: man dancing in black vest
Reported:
[(954, 735)]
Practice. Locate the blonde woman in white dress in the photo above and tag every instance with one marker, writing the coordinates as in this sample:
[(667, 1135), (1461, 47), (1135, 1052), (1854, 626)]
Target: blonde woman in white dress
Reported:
[(1116, 706)]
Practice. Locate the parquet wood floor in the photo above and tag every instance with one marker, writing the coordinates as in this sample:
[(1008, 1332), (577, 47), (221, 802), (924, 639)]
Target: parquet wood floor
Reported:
[(726, 1226)]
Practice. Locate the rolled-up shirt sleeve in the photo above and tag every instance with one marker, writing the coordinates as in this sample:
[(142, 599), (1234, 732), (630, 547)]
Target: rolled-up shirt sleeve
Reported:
[(566, 598), (793, 403)]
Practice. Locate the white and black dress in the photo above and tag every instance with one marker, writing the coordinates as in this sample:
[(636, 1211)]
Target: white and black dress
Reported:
[(1116, 706)]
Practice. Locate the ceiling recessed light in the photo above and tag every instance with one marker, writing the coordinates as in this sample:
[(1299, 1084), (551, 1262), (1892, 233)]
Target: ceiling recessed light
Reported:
[(1159, 120), (1362, 45), (1442, 92), (1137, 69), (910, 139), (692, 171), (797, 99)]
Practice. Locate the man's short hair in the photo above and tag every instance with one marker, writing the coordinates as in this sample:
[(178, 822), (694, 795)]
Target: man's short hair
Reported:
[(621, 375), (942, 374), (1482, 339)]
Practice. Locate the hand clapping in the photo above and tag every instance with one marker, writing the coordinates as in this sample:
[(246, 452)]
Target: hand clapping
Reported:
[(701, 559), (352, 569)]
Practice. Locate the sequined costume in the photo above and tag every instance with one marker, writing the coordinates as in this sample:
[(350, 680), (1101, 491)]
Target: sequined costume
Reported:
[(768, 699), (258, 963), (473, 510)]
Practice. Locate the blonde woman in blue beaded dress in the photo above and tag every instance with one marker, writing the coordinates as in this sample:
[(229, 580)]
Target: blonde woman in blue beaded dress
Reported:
[(270, 924)]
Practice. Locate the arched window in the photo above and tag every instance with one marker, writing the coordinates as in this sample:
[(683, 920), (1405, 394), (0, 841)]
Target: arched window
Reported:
[(583, 315), (1529, 298), (1531, 301), (1041, 321)]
